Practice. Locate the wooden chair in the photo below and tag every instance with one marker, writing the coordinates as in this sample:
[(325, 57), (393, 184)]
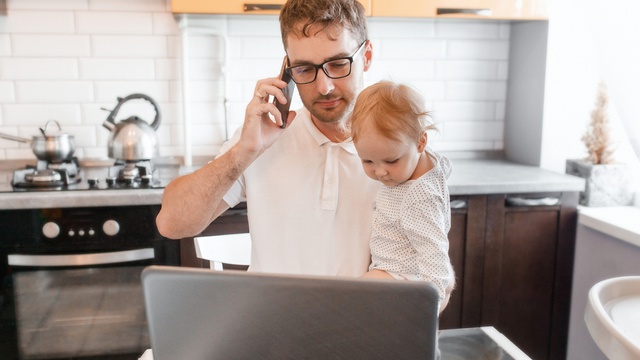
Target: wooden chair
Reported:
[(231, 249)]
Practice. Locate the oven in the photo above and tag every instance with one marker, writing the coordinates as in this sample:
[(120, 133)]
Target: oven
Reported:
[(71, 281), (70, 276)]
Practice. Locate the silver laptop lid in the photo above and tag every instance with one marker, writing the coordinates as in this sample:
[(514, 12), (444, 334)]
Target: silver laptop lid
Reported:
[(203, 314)]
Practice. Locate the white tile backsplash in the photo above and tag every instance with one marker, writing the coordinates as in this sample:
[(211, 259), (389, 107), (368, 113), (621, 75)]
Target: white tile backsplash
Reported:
[(48, 5), (117, 69), (38, 114), (39, 68), (39, 22), (68, 92), (122, 23), (129, 46), (5, 45), (7, 92), (129, 5), (67, 59), (47, 46)]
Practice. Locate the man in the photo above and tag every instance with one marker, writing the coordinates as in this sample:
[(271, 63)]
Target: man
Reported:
[(309, 202)]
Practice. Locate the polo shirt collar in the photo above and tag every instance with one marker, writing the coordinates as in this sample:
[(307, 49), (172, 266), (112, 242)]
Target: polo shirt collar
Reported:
[(321, 139)]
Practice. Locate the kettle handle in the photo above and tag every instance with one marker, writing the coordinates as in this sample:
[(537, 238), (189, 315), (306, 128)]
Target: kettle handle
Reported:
[(156, 121)]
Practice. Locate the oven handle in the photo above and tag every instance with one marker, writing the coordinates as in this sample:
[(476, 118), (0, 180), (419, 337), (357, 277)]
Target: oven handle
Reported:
[(81, 259)]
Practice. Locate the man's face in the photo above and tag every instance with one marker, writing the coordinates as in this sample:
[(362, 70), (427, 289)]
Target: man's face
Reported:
[(329, 100)]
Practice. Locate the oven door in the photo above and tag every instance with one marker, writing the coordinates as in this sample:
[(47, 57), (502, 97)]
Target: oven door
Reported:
[(78, 306)]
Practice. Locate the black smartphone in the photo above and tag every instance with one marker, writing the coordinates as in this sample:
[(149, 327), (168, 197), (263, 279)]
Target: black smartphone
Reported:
[(287, 91)]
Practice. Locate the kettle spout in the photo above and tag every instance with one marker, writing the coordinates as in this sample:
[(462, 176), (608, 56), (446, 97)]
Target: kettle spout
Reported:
[(109, 125)]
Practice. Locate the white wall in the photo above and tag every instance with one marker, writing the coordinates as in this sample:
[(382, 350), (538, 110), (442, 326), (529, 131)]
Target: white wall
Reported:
[(66, 59), (590, 41)]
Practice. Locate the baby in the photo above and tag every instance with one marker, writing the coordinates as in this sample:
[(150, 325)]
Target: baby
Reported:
[(412, 215)]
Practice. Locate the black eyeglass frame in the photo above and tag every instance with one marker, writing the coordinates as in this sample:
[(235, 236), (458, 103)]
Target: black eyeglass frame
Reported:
[(321, 66)]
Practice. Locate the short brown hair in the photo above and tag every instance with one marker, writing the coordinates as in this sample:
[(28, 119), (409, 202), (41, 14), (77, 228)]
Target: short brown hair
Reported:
[(344, 13), (393, 110)]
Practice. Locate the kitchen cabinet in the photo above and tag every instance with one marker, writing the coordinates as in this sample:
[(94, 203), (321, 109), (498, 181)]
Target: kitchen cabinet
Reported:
[(478, 9), (260, 7), (513, 257)]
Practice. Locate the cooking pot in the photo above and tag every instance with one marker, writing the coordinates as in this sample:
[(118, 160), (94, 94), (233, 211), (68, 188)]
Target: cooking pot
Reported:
[(52, 147), (132, 139)]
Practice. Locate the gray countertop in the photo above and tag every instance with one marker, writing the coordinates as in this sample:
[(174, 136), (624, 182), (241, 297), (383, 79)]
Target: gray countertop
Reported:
[(469, 177)]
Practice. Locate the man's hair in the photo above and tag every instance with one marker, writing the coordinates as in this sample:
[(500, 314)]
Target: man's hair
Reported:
[(349, 14), (395, 111)]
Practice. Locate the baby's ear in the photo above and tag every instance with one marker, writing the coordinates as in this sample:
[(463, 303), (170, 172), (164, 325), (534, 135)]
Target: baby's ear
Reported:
[(422, 142)]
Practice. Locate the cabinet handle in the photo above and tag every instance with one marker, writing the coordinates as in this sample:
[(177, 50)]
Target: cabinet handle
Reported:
[(458, 204), (453, 11), (262, 7), (517, 201), (81, 259)]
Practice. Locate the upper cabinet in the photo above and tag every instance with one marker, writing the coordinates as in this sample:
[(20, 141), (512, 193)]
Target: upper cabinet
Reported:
[(260, 7), (470, 9)]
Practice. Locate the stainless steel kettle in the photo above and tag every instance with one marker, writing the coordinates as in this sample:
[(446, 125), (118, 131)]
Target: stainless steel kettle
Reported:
[(132, 139)]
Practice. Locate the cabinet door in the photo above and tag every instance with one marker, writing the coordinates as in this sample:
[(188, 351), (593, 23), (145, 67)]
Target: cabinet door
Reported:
[(477, 9), (404, 8), (466, 249), (259, 7), (522, 257)]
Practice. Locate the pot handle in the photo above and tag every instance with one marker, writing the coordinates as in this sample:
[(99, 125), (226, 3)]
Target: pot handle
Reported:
[(14, 138), (46, 127), (156, 121)]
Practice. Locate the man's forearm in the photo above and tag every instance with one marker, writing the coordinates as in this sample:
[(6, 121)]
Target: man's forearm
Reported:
[(189, 202)]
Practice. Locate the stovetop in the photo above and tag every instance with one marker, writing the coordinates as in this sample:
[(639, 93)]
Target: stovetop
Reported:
[(104, 176)]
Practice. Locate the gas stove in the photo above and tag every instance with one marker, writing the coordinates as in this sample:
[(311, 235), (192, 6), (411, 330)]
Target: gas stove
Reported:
[(70, 175)]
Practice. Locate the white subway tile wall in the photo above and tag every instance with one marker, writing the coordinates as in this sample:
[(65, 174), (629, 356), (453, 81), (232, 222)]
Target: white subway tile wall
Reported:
[(69, 59)]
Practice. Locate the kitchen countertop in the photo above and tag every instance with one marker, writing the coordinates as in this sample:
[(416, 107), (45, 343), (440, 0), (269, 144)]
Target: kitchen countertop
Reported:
[(620, 222), (469, 177)]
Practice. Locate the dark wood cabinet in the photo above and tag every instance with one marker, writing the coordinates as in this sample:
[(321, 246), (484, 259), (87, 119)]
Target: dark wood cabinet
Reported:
[(513, 257)]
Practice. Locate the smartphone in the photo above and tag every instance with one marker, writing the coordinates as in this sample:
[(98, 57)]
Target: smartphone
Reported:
[(287, 91)]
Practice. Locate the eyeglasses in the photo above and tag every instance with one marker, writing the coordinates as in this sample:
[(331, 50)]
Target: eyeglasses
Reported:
[(334, 69)]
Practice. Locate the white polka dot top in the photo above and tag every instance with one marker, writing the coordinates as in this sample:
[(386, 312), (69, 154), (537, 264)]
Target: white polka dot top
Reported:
[(410, 226)]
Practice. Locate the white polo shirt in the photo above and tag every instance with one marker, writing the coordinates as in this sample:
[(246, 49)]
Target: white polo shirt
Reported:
[(310, 204)]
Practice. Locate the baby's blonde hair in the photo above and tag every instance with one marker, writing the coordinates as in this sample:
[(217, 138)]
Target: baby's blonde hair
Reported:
[(394, 110)]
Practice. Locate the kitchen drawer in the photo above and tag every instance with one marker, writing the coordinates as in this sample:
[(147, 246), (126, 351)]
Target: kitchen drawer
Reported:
[(469, 9), (259, 7)]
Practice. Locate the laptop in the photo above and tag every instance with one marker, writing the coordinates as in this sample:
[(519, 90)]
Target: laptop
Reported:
[(202, 314)]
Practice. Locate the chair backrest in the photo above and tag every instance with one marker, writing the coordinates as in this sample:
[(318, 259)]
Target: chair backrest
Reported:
[(232, 249)]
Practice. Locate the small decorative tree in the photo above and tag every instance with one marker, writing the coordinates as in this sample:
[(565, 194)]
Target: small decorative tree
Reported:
[(598, 136)]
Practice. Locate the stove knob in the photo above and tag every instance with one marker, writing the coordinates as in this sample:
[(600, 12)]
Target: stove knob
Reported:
[(111, 227), (146, 179), (111, 181), (93, 182), (51, 230)]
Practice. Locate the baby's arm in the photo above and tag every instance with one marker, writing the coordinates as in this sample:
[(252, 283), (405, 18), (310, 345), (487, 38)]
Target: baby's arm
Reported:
[(377, 274)]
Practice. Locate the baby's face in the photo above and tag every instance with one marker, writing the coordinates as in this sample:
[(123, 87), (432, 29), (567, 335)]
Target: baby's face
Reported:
[(389, 161)]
